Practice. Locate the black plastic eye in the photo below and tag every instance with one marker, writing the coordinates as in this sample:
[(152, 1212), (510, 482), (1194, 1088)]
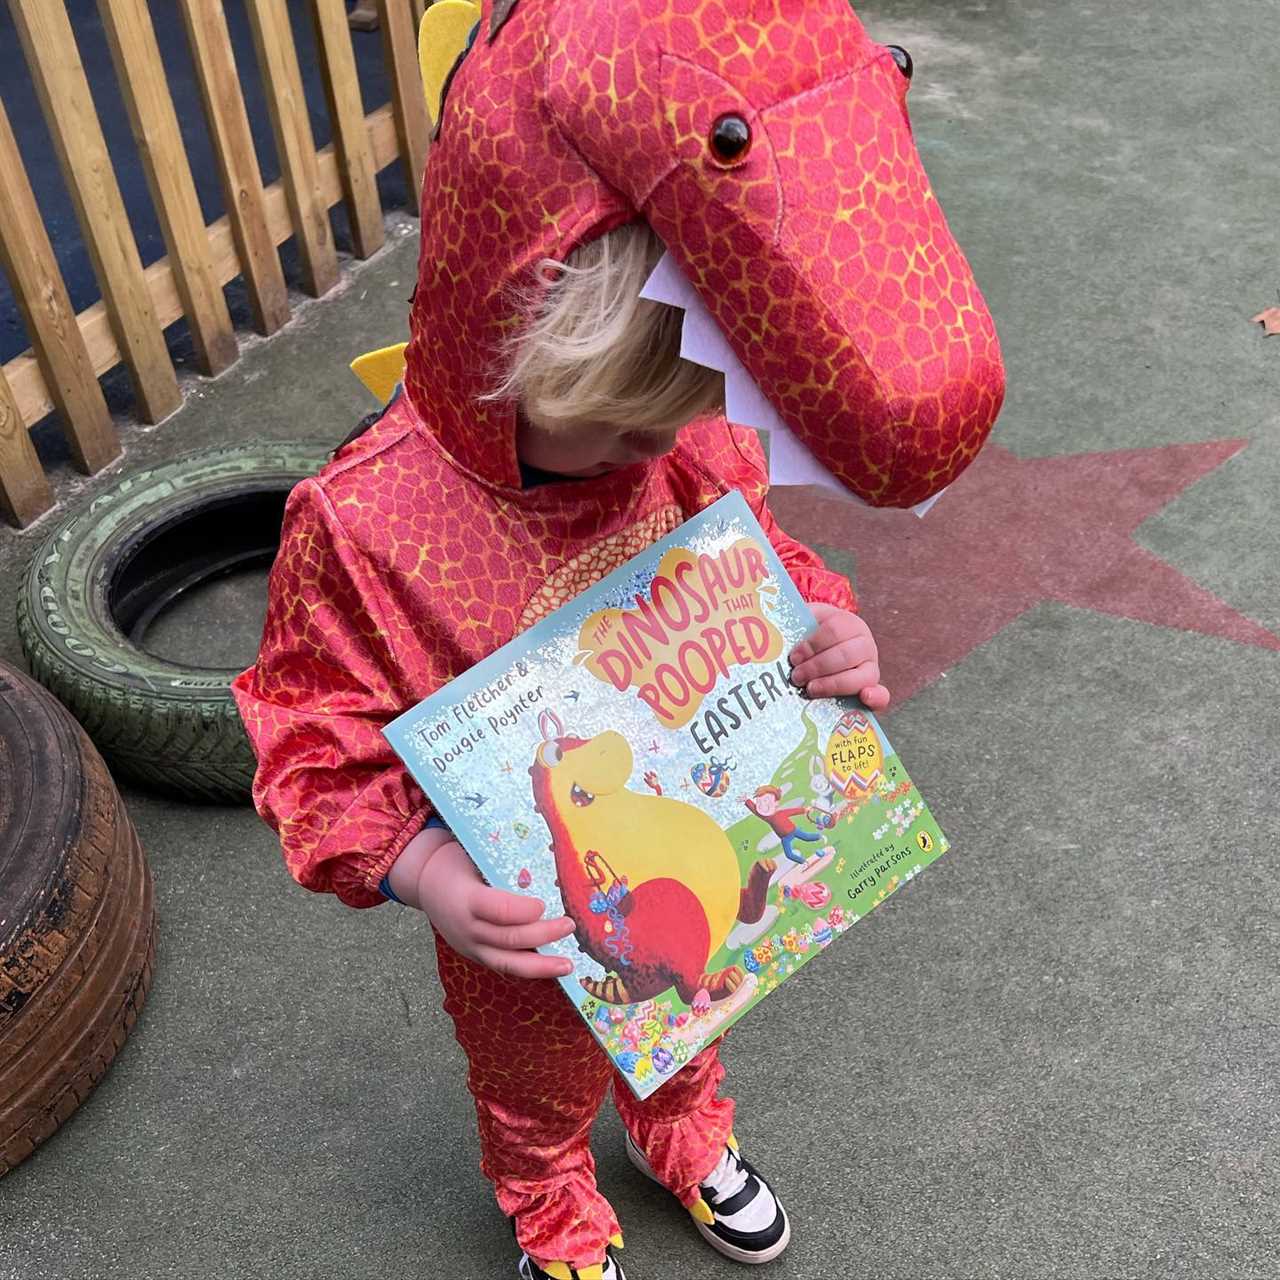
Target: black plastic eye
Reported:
[(902, 58), (730, 138)]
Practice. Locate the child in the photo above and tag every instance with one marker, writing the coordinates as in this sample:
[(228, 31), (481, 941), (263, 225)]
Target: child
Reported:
[(362, 618), (535, 446)]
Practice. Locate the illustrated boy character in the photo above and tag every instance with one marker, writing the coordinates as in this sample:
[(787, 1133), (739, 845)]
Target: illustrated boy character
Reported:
[(764, 804)]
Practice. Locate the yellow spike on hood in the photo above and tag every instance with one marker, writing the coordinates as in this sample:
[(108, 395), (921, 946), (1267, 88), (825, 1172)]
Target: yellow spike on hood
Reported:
[(442, 36), (381, 370)]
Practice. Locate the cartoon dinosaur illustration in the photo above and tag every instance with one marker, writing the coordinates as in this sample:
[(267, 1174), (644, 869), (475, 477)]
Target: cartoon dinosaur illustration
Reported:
[(652, 883)]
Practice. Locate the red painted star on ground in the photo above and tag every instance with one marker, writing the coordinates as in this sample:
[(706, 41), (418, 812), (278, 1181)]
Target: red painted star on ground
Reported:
[(1016, 532)]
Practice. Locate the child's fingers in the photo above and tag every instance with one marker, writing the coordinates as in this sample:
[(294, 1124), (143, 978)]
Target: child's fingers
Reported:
[(822, 637), (875, 697), (844, 656), (844, 683), (496, 906), (523, 964), (521, 937)]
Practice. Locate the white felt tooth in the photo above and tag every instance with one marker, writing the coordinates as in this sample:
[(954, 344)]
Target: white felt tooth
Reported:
[(921, 508), (702, 342), (747, 405), (667, 284)]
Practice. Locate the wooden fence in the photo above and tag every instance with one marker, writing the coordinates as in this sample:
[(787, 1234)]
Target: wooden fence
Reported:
[(69, 351)]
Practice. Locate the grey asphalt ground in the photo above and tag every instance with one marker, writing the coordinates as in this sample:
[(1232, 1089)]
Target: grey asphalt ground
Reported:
[(1052, 1055)]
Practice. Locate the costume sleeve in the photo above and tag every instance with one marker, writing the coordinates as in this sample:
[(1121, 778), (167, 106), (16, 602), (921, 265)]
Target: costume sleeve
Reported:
[(815, 582), (314, 705)]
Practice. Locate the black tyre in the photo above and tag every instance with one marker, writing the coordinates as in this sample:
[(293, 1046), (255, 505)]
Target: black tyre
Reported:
[(102, 576), (77, 918)]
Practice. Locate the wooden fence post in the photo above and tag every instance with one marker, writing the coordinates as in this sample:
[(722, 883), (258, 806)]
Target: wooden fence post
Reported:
[(54, 60), (400, 40), (173, 191), (295, 142), (350, 133), (237, 161), (27, 258), (24, 490)]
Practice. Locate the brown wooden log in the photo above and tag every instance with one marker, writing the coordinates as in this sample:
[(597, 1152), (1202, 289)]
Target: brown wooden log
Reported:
[(77, 918)]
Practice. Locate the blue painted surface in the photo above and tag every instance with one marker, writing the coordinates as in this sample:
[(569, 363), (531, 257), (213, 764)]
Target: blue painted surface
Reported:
[(51, 193)]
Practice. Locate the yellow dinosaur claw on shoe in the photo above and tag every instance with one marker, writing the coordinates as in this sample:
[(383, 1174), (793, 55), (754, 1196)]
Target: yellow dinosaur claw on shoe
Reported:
[(616, 1241), (700, 1210), (733, 1144), (562, 1271), (380, 370)]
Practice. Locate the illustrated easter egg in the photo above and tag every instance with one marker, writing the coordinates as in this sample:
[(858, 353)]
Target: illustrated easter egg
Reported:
[(525, 878), (628, 1061), (836, 917), (815, 895), (663, 1061), (750, 963), (855, 755), (521, 829), (643, 1069), (821, 932), (681, 1052)]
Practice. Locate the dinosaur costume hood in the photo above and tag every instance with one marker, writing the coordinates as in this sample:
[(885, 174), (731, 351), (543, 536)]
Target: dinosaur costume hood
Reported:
[(767, 143)]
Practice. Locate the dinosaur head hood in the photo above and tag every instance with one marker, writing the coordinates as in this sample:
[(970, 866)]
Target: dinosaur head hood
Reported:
[(767, 143)]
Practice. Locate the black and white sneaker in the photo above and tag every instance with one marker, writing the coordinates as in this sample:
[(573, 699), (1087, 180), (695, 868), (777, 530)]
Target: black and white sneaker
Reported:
[(611, 1270), (747, 1222)]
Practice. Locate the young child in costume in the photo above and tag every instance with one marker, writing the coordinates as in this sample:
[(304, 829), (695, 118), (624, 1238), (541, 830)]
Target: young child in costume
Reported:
[(546, 431)]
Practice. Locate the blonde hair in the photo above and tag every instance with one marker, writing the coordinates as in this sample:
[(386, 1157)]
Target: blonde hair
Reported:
[(593, 351)]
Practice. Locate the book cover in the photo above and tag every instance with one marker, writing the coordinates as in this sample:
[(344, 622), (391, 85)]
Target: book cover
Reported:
[(640, 760)]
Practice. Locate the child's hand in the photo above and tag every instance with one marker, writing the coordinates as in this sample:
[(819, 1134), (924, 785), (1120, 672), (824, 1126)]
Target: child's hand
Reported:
[(839, 658), (496, 929)]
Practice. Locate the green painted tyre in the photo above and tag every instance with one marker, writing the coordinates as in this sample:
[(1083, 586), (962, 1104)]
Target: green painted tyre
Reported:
[(100, 578)]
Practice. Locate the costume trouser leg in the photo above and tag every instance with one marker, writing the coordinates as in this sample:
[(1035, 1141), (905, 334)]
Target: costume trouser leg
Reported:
[(538, 1078)]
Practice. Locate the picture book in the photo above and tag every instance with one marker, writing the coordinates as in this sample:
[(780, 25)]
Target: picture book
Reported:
[(640, 761)]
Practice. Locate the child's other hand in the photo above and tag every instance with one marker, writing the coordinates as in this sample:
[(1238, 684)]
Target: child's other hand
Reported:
[(490, 926), (839, 658)]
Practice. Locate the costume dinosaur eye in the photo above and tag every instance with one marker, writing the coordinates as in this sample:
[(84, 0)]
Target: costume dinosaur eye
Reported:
[(550, 754), (730, 138), (902, 58)]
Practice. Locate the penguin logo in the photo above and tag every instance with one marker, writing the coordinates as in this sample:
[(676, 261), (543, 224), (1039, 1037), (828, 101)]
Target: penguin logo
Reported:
[(925, 841)]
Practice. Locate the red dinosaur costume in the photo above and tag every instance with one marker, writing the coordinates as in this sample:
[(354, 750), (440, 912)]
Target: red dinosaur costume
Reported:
[(821, 252)]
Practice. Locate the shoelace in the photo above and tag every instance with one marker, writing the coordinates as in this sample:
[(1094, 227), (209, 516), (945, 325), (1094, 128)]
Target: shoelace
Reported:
[(728, 1177)]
